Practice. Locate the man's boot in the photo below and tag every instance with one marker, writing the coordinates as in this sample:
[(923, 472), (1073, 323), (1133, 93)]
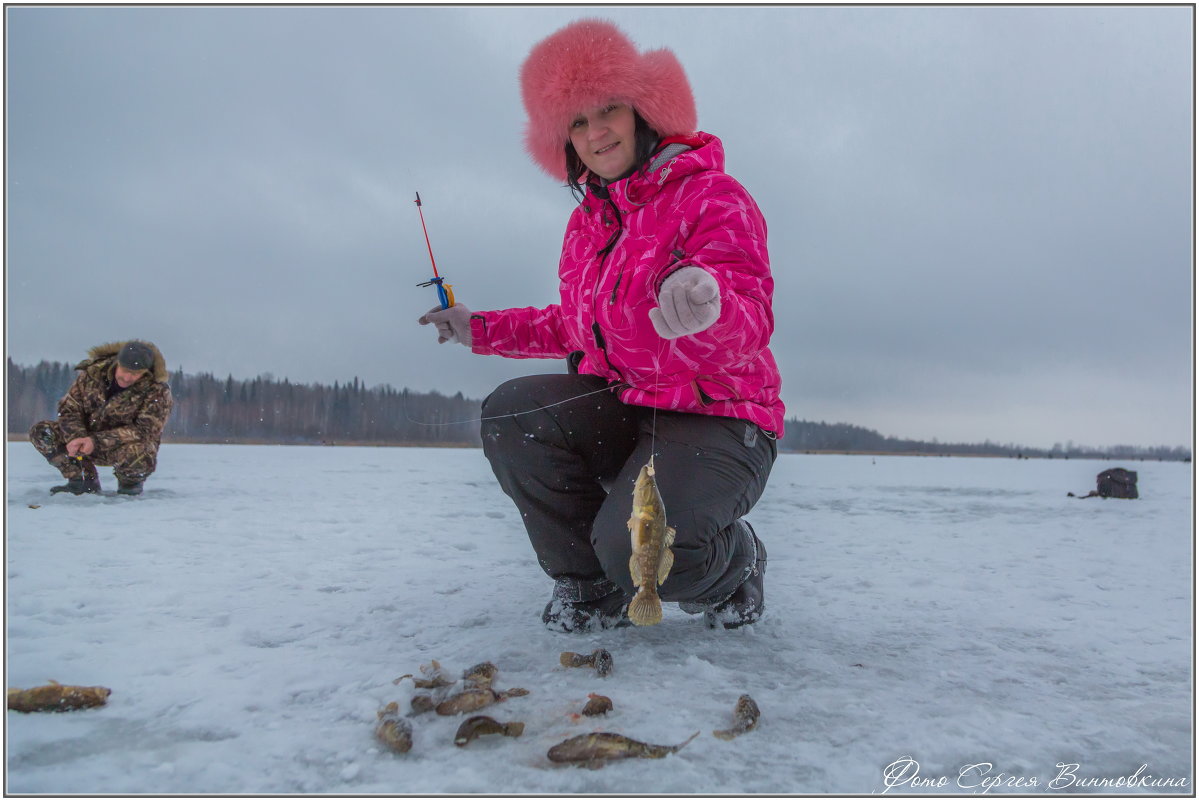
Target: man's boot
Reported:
[(78, 486), (87, 482), (129, 487)]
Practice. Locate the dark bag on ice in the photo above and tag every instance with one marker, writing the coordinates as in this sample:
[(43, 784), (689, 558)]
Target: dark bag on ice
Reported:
[(1117, 483)]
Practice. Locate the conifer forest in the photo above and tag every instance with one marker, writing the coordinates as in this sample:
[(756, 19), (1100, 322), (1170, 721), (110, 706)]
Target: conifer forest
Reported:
[(268, 410)]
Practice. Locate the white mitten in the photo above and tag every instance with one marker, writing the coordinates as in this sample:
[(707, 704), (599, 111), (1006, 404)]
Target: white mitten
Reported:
[(688, 303), (453, 324)]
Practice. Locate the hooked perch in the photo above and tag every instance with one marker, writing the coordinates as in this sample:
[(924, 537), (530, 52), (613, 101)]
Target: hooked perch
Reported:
[(651, 559)]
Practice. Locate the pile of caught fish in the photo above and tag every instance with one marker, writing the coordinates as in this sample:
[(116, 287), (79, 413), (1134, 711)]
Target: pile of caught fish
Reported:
[(473, 691), (448, 698)]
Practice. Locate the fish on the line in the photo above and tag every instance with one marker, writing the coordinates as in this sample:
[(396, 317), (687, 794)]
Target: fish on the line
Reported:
[(745, 717), (652, 559), (596, 749), (479, 725)]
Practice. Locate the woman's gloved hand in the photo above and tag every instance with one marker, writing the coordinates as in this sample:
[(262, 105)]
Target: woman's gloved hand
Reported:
[(688, 303), (453, 324)]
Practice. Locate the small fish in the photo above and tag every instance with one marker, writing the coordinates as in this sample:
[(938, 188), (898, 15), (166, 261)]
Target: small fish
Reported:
[(600, 659), (598, 705), (652, 558), (475, 698), (745, 717), (481, 674), (55, 697), (423, 703), (35, 506), (434, 678), (481, 724), (595, 749), (393, 731)]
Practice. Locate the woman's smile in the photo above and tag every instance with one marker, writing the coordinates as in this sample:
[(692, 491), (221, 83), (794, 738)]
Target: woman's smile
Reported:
[(605, 137)]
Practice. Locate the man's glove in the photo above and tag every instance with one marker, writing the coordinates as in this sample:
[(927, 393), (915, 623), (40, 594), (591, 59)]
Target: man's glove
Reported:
[(453, 324), (688, 303)]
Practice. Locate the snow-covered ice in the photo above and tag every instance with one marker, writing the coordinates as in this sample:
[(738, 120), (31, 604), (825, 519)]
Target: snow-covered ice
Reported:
[(251, 611)]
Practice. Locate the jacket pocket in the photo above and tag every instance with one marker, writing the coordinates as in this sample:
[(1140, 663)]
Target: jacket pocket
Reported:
[(677, 256), (710, 390)]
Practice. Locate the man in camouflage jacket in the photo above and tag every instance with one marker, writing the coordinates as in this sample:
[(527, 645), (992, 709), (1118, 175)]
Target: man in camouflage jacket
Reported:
[(113, 415)]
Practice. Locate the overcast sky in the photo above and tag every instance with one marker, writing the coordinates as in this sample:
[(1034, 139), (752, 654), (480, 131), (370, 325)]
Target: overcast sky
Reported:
[(980, 217)]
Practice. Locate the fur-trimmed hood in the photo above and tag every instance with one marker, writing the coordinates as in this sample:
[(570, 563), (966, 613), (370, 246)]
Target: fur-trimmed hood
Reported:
[(111, 349)]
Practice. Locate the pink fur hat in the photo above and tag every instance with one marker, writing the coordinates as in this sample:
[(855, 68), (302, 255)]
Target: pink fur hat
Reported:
[(585, 65)]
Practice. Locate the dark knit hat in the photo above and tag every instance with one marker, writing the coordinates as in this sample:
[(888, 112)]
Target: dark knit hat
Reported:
[(136, 355)]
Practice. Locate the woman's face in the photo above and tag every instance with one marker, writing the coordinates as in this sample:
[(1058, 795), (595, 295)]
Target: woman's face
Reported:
[(604, 138)]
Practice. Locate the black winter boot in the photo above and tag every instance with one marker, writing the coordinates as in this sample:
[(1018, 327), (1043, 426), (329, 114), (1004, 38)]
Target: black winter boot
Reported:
[(78, 486), (129, 487), (747, 602), (609, 612)]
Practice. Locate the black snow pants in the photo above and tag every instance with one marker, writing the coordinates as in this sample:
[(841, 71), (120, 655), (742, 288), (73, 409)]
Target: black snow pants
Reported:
[(570, 468)]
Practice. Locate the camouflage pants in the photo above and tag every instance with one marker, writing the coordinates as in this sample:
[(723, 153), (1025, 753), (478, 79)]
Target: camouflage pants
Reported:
[(131, 462)]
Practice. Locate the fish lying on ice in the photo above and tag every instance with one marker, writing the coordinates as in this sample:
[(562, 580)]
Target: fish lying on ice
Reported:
[(392, 730), (479, 725), (55, 697), (476, 698), (481, 674), (434, 678), (652, 558), (745, 717), (597, 705), (594, 750), (600, 659)]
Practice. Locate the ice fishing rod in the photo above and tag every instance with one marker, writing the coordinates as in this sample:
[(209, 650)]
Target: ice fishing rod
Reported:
[(445, 292)]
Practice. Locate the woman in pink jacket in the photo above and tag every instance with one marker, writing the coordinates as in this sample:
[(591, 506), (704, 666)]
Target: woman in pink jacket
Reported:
[(665, 320)]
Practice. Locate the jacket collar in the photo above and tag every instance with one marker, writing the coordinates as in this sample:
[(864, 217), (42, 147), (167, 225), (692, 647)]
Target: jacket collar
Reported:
[(677, 157)]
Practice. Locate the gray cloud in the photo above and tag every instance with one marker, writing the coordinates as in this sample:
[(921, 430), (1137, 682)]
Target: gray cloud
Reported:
[(981, 217)]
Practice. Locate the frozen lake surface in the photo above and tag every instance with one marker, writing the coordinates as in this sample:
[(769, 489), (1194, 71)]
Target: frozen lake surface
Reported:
[(942, 621)]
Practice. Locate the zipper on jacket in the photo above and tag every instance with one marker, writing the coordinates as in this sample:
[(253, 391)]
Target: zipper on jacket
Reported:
[(603, 258), (606, 249)]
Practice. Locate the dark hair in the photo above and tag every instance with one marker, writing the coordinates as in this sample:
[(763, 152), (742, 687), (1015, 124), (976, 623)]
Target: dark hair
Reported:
[(645, 142)]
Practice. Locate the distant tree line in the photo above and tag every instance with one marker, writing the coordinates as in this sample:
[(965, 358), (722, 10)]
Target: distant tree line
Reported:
[(263, 409), (807, 437)]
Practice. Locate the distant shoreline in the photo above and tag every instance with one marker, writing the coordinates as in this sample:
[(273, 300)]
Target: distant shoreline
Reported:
[(19, 437)]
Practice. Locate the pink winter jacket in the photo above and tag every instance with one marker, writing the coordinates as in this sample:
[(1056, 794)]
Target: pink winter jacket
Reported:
[(616, 253)]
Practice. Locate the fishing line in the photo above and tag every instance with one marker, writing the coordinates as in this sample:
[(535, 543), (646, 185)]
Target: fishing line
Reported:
[(515, 414), (653, 429)]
